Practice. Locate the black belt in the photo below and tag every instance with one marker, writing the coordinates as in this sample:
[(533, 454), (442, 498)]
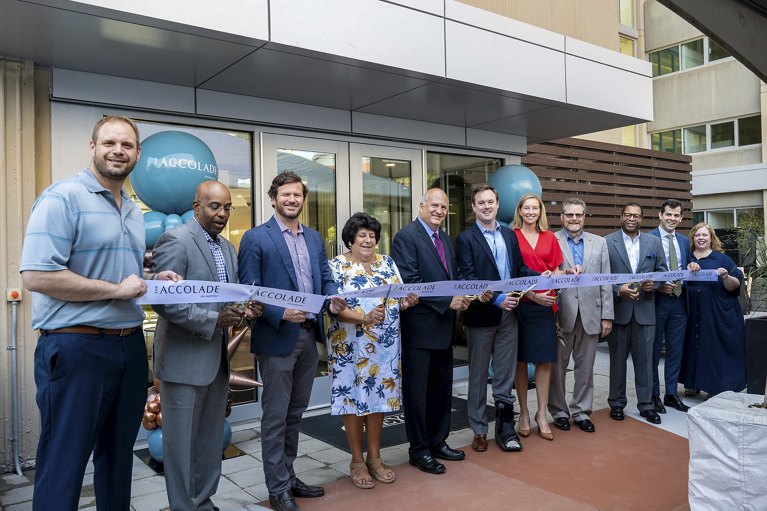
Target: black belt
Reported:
[(92, 330), (309, 324)]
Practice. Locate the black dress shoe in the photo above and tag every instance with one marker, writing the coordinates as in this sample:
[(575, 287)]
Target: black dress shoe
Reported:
[(585, 425), (562, 423), (444, 452), (616, 413), (303, 490), (283, 501), (658, 405), (675, 402), (428, 464), (651, 416)]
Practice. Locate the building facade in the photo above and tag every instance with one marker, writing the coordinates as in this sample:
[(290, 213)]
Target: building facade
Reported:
[(370, 101)]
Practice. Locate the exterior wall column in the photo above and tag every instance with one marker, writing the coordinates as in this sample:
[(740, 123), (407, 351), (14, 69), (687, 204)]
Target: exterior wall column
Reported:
[(23, 159)]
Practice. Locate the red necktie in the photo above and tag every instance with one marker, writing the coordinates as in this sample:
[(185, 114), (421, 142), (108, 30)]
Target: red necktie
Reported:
[(440, 250)]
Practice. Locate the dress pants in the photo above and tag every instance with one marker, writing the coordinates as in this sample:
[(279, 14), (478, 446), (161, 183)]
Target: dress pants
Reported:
[(193, 439), (670, 323), (638, 340), (500, 343), (91, 391), (427, 390), (287, 388), (583, 348)]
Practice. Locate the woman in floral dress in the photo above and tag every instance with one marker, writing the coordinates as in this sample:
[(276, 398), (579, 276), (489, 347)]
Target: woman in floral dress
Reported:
[(364, 351)]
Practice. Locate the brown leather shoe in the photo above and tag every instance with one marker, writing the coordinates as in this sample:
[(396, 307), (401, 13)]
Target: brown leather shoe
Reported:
[(480, 443)]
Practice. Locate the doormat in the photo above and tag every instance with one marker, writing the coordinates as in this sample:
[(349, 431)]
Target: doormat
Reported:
[(330, 428), (143, 454)]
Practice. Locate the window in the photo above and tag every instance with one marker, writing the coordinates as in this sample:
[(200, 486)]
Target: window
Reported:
[(716, 51), (695, 139), (706, 137), (626, 13), (629, 136), (627, 46), (723, 135), (731, 217), (686, 55), (668, 141), (750, 130), (692, 54)]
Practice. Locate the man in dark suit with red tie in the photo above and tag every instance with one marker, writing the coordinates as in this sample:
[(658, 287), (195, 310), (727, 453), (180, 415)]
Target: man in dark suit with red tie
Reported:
[(424, 253)]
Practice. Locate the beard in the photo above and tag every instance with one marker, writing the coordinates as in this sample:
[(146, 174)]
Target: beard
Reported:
[(287, 214), (107, 171)]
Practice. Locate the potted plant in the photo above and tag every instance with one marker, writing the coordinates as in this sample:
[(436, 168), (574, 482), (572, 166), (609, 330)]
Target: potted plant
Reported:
[(753, 250)]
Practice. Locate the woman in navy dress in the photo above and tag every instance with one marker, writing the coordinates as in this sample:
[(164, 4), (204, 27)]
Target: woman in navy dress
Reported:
[(715, 341)]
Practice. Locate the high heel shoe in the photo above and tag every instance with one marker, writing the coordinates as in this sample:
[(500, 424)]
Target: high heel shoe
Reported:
[(524, 432), (545, 435)]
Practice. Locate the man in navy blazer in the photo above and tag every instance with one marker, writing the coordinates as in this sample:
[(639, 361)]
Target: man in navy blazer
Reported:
[(670, 309), (488, 251), (424, 253), (284, 254), (633, 331)]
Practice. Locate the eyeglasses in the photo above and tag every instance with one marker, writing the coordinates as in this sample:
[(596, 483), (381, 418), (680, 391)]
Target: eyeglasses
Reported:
[(632, 215), (217, 207), (572, 215)]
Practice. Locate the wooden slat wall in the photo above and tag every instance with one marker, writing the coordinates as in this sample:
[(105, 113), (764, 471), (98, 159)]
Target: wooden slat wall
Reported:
[(606, 177)]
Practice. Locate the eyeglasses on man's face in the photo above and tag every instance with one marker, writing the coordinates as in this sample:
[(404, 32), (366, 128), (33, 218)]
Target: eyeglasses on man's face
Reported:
[(216, 207), (635, 216), (572, 215)]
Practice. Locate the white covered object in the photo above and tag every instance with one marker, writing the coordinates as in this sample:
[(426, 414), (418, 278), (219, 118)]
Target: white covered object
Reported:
[(728, 453)]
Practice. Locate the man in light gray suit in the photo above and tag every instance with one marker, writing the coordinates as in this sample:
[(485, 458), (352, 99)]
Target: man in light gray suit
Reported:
[(190, 351), (634, 323), (585, 314)]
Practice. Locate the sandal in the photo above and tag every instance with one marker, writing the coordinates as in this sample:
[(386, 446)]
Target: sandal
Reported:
[(379, 471), (360, 475)]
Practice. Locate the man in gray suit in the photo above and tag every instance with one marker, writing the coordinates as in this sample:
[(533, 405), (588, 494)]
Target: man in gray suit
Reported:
[(190, 351), (585, 314), (634, 323)]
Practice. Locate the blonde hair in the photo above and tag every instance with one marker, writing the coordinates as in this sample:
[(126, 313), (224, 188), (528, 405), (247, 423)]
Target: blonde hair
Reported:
[(542, 224), (716, 243)]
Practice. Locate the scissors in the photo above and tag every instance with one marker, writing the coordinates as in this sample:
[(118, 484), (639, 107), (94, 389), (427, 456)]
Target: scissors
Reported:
[(519, 294)]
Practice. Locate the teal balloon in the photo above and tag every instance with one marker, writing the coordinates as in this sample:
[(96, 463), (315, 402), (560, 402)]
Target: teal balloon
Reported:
[(172, 221), (171, 166), (227, 434), (153, 227), (530, 372), (187, 217), (154, 442), (512, 182)]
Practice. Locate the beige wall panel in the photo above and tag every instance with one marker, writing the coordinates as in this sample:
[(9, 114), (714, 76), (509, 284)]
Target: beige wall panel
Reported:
[(728, 200), (734, 158), (723, 90), (17, 186), (593, 21), (664, 28), (608, 136), (763, 109)]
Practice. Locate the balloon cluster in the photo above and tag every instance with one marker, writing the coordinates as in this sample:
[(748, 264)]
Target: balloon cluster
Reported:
[(171, 165), (152, 411)]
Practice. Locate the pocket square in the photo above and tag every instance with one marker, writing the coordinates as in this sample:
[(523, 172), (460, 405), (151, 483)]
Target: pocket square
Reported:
[(651, 256)]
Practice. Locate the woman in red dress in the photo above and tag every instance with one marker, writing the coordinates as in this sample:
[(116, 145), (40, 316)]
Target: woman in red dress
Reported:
[(537, 327)]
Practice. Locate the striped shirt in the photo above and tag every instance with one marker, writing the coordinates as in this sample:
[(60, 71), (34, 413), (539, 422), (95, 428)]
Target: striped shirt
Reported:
[(76, 225)]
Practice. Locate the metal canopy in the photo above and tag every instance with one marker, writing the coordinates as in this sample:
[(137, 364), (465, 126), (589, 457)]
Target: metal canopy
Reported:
[(78, 37)]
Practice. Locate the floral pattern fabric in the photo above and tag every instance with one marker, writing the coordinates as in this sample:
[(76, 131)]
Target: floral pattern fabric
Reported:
[(364, 360)]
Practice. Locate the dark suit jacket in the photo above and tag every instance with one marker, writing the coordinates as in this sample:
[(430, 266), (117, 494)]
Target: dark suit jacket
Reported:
[(651, 259), (264, 260), (476, 262), (684, 258), (430, 323), (187, 342)]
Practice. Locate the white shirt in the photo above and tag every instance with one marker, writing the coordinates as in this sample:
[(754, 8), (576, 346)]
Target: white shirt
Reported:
[(632, 248)]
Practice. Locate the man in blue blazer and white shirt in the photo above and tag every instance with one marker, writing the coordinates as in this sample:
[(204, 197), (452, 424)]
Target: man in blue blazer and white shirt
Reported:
[(424, 253), (634, 308), (670, 309), (488, 251), (285, 254)]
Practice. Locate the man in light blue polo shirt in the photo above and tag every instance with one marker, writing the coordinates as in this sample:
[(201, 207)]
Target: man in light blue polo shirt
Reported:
[(83, 260)]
